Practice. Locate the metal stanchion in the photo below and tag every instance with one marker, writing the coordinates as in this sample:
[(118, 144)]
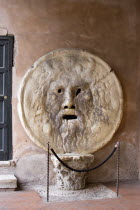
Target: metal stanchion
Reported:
[(48, 172), (118, 169)]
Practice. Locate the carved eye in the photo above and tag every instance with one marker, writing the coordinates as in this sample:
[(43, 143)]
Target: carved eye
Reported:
[(78, 91), (59, 90)]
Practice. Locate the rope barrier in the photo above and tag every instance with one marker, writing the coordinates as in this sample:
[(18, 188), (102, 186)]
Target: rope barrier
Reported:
[(86, 170)]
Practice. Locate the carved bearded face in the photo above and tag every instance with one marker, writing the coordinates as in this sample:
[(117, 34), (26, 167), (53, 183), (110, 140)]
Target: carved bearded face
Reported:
[(71, 99), (69, 104)]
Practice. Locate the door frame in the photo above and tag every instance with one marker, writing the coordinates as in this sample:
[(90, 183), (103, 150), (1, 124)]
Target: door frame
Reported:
[(9, 42)]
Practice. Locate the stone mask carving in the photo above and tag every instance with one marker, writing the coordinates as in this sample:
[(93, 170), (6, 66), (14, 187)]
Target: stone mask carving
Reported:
[(72, 99)]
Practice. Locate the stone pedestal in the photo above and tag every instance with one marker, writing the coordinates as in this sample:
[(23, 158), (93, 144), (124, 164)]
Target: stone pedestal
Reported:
[(70, 180)]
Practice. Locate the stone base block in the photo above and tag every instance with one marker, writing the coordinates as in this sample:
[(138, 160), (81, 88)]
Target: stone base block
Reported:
[(8, 182), (91, 192)]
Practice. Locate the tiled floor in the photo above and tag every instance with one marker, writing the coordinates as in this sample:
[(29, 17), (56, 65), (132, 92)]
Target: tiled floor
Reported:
[(23, 200)]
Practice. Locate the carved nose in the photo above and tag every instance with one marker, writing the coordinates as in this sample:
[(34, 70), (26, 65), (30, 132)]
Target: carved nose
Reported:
[(68, 100), (68, 103), (69, 107)]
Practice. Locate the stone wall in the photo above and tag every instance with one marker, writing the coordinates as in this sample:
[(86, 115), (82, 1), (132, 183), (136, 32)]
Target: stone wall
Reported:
[(105, 28)]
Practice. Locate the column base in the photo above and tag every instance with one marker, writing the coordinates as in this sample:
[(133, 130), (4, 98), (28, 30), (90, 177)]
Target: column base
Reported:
[(67, 179)]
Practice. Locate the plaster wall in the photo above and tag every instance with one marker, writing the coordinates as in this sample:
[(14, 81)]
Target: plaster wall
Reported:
[(105, 28)]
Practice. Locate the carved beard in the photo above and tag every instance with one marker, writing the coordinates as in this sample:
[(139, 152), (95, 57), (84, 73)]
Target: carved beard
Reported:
[(70, 131), (70, 134)]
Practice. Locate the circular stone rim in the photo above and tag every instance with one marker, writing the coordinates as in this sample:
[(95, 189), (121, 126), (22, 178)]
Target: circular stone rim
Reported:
[(50, 55)]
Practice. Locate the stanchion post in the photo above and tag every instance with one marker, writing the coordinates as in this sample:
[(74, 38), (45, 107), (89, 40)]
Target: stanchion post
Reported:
[(48, 172), (118, 169)]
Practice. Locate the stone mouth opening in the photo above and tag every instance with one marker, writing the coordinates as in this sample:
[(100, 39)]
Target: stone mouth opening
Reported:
[(69, 117)]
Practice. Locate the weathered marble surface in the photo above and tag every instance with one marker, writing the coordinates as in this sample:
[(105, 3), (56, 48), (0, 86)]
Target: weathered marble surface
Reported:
[(75, 83), (70, 180)]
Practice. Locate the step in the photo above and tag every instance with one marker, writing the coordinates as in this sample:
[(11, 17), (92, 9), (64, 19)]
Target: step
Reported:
[(8, 182), (7, 163), (7, 167)]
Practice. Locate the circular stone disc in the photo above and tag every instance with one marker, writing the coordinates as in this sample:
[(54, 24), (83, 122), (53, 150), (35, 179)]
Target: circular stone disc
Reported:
[(71, 99)]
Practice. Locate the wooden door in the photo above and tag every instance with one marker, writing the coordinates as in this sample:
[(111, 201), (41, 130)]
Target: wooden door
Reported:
[(6, 63)]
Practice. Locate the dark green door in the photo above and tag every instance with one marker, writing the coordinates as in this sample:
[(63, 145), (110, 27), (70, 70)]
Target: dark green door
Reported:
[(6, 61)]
